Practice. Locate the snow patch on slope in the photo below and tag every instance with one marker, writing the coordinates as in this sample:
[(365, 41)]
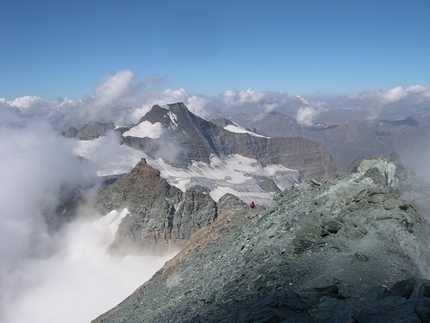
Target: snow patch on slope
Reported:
[(233, 174), (173, 118), (109, 224), (239, 129)]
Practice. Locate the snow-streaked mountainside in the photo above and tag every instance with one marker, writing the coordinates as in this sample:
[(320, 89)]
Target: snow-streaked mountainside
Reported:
[(187, 138), (234, 174), (217, 159)]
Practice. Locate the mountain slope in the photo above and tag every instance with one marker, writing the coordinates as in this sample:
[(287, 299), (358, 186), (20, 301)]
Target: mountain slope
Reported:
[(186, 138), (322, 252)]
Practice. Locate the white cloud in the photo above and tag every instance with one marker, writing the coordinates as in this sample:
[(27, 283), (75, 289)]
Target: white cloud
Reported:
[(197, 105), (113, 87), (306, 115), (27, 102), (49, 274), (235, 98), (418, 89), (377, 101), (36, 165), (80, 281), (118, 98), (258, 103), (393, 95), (9, 113), (422, 93)]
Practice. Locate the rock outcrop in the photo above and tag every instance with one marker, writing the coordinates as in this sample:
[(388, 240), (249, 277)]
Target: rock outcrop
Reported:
[(389, 157), (161, 216), (70, 132), (344, 250), (411, 188)]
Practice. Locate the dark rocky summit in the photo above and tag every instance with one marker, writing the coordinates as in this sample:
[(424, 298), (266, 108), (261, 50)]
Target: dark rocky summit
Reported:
[(161, 216), (343, 250)]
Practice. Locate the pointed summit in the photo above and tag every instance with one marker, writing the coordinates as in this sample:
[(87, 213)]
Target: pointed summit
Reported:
[(160, 215)]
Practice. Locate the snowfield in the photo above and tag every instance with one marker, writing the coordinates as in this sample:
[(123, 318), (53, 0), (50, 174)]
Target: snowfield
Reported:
[(232, 174), (239, 129)]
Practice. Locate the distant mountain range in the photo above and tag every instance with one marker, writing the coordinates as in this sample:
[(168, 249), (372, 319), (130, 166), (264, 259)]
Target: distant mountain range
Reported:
[(347, 140)]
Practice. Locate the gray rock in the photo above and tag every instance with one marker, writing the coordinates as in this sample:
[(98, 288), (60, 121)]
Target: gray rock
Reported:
[(70, 132), (94, 130), (161, 216)]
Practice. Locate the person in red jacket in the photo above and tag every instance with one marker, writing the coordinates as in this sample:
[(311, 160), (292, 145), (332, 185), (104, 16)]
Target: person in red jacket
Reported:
[(252, 205)]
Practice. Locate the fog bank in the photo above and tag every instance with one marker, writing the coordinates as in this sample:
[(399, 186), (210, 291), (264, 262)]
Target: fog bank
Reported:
[(61, 273)]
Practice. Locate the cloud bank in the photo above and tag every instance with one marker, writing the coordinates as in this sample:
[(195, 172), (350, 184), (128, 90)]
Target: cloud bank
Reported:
[(119, 98), (378, 100), (55, 273)]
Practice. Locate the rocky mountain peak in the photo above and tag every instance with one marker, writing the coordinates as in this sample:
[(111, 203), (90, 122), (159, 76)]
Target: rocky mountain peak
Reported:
[(192, 138), (161, 217)]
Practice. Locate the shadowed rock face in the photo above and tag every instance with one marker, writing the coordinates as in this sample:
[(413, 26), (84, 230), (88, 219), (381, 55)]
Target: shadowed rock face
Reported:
[(193, 138), (327, 251), (89, 131), (161, 216)]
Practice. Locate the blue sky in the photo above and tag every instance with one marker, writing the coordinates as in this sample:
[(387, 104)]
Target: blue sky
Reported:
[(62, 48)]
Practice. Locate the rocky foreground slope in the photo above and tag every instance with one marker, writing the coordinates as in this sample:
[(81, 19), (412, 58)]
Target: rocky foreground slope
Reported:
[(344, 250)]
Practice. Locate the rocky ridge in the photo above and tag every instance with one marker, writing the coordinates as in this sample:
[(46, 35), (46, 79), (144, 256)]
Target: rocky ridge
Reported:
[(343, 250), (161, 217)]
